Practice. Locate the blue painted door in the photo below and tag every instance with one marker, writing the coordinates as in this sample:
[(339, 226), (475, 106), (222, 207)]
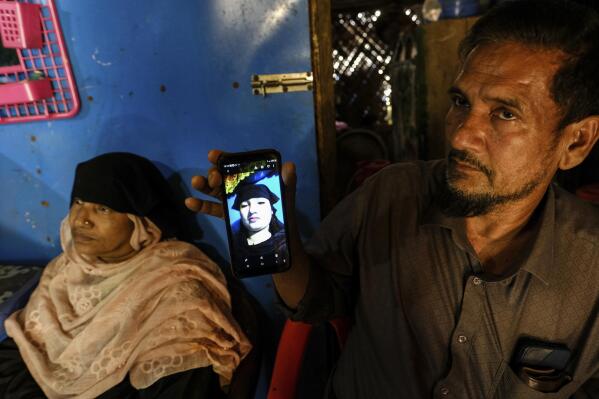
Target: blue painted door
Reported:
[(169, 81)]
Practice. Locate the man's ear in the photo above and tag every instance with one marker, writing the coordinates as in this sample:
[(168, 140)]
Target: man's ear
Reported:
[(578, 141)]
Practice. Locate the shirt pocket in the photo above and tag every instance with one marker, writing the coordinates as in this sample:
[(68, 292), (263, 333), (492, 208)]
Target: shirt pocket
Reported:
[(511, 387)]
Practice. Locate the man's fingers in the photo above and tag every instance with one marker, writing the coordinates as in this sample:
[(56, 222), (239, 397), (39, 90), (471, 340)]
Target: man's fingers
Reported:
[(203, 185), (213, 156), (199, 183), (289, 178), (206, 207), (209, 185), (214, 178), (193, 204), (288, 174)]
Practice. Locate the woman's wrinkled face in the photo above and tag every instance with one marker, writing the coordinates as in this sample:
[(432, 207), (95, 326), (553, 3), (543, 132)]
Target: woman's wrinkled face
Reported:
[(255, 213), (98, 231)]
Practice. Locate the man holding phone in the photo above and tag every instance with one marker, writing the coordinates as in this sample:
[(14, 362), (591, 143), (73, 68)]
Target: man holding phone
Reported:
[(474, 276)]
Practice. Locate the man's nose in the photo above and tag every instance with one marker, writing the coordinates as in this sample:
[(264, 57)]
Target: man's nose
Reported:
[(468, 131)]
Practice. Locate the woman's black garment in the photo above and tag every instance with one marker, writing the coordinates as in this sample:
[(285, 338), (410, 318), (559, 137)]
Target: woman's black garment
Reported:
[(275, 245), (201, 383), (15, 380), (127, 183), (17, 383)]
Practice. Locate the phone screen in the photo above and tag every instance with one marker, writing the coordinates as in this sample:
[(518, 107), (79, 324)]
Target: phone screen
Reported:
[(255, 212)]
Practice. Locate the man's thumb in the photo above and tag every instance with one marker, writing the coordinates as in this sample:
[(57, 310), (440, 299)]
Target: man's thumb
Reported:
[(290, 179)]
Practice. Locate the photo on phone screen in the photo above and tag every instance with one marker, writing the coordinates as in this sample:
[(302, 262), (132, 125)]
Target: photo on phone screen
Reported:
[(255, 213)]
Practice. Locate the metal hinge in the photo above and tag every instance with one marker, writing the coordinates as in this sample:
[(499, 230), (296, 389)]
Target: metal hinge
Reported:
[(281, 83)]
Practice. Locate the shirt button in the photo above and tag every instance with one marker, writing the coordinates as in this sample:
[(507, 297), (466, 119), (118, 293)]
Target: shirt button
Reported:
[(444, 391), (476, 281), (462, 339)]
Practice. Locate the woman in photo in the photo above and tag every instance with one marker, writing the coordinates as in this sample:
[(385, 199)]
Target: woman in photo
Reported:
[(259, 231)]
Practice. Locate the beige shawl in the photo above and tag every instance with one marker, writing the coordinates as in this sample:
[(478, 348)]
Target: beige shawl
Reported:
[(163, 311)]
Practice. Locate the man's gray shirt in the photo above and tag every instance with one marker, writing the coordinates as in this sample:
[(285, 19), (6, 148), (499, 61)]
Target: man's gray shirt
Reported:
[(428, 322)]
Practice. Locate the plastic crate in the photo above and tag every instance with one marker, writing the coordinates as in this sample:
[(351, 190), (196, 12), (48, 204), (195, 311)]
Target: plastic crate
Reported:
[(42, 85), (20, 24)]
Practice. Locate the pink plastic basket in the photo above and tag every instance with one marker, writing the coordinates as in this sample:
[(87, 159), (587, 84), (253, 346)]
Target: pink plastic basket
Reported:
[(42, 85), (20, 24)]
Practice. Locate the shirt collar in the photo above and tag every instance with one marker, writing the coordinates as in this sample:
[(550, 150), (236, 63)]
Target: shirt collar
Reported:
[(540, 261), (432, 216)]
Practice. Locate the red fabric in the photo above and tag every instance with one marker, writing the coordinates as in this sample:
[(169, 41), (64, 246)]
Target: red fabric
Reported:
[(290, 354), (341, 327), (288, 361), (589, 193)]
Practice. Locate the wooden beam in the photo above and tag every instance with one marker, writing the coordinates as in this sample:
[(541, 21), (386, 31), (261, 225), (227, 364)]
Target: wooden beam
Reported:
[(324, 99), (439, 49)]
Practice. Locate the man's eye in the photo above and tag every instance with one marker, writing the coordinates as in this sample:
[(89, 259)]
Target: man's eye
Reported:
[(243, 205), (104, 209), (506, 115), (78, 201), (459, 101), (261, 202)]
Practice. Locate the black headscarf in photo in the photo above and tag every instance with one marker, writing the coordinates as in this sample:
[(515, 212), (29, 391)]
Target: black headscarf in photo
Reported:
[(246, 191), (127, 183)]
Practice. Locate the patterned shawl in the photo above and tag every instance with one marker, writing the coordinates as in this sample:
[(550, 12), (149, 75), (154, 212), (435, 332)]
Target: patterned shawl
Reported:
[(163, 311)]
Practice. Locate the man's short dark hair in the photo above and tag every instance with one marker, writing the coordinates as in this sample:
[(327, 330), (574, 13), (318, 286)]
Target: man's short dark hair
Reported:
[(561, 25)]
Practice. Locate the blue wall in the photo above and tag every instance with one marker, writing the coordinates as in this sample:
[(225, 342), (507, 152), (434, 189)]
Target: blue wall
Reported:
[(157, 78)]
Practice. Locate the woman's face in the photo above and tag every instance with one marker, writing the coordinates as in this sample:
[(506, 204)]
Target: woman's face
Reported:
[(255, 213), (101, 232)]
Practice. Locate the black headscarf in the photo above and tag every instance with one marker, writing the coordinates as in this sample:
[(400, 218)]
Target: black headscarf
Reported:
[(246, 192), (127, 183)]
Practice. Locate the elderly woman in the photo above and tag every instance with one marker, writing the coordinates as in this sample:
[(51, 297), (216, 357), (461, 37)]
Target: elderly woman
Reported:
[(126, 299)]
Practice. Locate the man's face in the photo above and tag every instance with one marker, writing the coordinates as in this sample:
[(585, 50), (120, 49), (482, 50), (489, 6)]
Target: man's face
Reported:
[(502, 126), (256, 213), (99, 231)]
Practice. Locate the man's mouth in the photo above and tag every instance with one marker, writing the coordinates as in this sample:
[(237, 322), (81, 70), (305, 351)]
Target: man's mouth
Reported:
[(462, 166), (253, 219)]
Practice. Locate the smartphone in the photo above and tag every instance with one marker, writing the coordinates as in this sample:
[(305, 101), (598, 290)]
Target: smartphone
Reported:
[(541, 365), (254, 204), (533, 353)]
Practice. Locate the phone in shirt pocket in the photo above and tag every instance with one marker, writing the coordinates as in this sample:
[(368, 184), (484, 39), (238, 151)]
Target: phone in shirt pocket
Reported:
[(541, 365)]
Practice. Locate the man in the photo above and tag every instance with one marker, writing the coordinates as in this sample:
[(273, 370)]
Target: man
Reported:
[(463, 275)]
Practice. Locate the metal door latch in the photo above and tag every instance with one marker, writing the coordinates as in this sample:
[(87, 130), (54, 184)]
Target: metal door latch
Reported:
[(281, 83)]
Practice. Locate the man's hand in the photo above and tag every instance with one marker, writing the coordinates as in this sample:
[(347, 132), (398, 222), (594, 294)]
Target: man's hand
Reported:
[(209, 185)]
